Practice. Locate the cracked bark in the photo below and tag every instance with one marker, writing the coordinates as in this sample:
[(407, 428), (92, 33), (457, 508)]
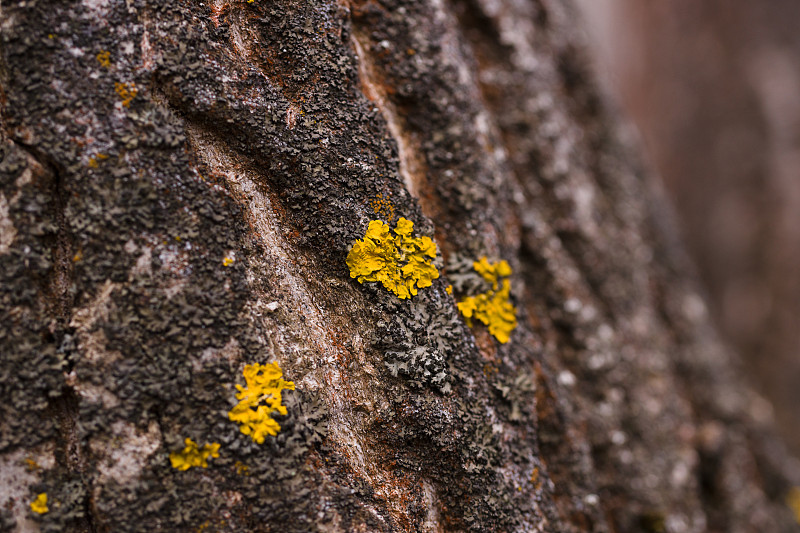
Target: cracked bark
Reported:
[(269, 134)]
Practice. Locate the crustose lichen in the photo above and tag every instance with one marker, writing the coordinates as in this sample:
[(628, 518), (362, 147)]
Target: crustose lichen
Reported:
[(259, 399), (400, 262), (192, 455)]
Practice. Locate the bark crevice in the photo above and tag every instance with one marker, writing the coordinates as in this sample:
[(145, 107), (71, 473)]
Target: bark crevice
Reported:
[(70, 452)]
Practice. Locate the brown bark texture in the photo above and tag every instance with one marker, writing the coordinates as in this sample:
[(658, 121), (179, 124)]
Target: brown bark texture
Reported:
[(180, 185), (714, 88)]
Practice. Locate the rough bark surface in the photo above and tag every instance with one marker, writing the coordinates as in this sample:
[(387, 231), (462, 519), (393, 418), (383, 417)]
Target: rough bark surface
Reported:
[(144, 143)]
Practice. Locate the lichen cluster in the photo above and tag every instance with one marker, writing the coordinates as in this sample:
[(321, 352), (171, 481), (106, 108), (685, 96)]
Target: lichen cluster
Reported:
[(191, 455), (127, 91), (259, 399), (492, 307), (104, 58), (401, 262), (382, 207)]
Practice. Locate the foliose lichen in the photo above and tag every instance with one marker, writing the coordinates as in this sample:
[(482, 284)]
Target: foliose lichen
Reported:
[(191, 455), (421, 339), (492, 306), (401, 262), (516, 392), (259, 399)]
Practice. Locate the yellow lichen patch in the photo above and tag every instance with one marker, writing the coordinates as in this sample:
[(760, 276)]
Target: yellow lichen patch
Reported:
[(94, 161), (104, 58), (191, 455), (400, 262), (793, 501), (449, 289), (492, 272), (492, 307), (227, 262), (259, 399), (127, 91), (39, 505)]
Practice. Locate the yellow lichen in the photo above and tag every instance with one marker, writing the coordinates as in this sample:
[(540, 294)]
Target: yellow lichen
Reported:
[(104, 58), (39, 505), (191, 455), (259, 399), (227, 262), (400, 262), (492, 307), (94, 161), (127, 91), (492, 272), (242, 469), (793, 501)]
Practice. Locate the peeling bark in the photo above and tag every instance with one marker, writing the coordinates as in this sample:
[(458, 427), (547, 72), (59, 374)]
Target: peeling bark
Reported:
[(182, 206)]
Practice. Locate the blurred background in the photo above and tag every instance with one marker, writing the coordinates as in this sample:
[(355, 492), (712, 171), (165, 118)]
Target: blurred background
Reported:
[(714, 90)]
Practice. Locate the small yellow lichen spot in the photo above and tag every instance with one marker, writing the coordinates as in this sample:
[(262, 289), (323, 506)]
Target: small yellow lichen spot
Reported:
[(383, 208), (492, 307), (793, 501), (104, 58), (400, 262), (94, 161), (259, 399), (449, 289), (191, 455), (227, 262), (242, 469), (127, 91), (39, 505)]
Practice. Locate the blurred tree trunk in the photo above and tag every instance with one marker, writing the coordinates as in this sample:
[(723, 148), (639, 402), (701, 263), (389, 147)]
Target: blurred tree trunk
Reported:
[(713, 87), (179, 188)]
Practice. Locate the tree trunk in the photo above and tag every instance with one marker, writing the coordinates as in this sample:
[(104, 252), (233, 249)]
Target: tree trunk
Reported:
[(184, 188), (713, 86)]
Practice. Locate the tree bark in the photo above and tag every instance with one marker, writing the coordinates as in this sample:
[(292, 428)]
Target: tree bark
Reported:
[(182, 183), (713, 87)]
